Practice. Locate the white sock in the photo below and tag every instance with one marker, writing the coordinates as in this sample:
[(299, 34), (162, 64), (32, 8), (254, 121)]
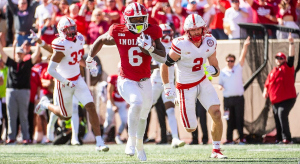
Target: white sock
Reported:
[(141, 128), (139, 144), (75, 123), (133, 119), (52, 120), (172, 122), (216, 144), (131, 141), (99, 141)]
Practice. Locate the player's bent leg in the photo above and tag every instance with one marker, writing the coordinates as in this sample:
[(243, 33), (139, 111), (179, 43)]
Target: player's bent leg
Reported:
[(93, 118), (108, 119), (216, 131)]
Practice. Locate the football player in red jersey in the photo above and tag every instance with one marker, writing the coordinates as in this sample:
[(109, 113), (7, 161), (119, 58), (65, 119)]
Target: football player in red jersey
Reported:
[(134, 42)]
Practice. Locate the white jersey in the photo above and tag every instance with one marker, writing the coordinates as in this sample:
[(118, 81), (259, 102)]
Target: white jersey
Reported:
[(73, 51), (155, 76), (189, 67)]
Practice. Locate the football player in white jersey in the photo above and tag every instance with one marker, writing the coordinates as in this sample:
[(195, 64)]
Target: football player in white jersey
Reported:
[(158, 89), (64, 67), (188, 53)]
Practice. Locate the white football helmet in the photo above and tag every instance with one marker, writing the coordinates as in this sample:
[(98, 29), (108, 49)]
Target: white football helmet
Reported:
[(136, 10), (67, 28), (167, 33), (194, 21)]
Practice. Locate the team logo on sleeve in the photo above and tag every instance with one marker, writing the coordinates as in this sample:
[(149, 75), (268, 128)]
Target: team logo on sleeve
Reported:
[(210, 42), (80, 37)]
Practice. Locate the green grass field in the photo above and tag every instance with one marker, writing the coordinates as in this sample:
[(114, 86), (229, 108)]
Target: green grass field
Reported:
[(155, 154)]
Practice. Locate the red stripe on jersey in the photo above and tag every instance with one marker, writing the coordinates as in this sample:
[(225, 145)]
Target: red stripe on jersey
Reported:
[(176, 49), (58, 48), (194, 19), (57, 45)]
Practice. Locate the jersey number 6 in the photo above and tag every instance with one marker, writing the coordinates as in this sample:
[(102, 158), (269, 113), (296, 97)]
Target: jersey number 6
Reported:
[(135, 59), (76, 56), (199, 62)]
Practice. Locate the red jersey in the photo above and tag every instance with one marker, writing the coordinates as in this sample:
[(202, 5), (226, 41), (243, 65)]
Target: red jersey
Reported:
[(135, 65), (114, 10), (280, 84), (112, 79), (291, 10), (35, 82), (217, 22), (45, 75), (261, 12), (39, 67)]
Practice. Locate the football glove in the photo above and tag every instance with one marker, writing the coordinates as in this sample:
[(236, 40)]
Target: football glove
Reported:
[(144, 41), (94, 72), (90, 63), (211, 69), (68, 83), (169, 92), (33, 36)]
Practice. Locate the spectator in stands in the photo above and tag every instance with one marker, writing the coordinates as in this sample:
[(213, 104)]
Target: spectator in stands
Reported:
[(111, 12), (97, 27), (48, 31), (287, 17), (79, 20), (233, 16), (63, 10), (231, 83), (280, 88), (265, 14), (298, 13), (86, 10), (149, 6), (3, 71), (216, 25), (45, 8), (3, 28), (18, 92), (121, 8), (23, 18), (26, 47)]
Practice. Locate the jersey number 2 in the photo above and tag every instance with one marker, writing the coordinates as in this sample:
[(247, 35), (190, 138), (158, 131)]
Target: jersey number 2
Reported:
[(199, 62), (76, 56)]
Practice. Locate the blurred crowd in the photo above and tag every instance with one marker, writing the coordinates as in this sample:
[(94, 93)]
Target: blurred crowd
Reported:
[(93, 17)]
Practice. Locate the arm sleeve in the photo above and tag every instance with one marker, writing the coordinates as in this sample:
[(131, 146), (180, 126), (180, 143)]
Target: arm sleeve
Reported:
[(290, 61), (52, 71)]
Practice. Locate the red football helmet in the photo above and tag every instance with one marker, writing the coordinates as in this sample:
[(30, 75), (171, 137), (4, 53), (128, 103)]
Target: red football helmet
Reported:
[(167, 33), (132, 11)]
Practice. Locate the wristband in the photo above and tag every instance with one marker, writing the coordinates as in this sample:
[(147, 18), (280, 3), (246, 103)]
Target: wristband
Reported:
[(89, 58), (215, 70), (151, 49), (42, 44)]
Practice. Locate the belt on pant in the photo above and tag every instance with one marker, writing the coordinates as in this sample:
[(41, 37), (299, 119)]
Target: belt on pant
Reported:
[(144, 79), (22, 33)]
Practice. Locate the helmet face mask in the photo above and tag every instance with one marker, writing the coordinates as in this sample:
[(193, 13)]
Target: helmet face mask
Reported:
[(167, 33), (193, 22), (67, 28), (136, 18)]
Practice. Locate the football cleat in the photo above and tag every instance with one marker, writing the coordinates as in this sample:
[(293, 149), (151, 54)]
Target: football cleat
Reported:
[(216, 153), (118, 140), (129, 150), (75, 142), (141, 155), (42, 105), (176, 143), (50, 132), (103, 148)]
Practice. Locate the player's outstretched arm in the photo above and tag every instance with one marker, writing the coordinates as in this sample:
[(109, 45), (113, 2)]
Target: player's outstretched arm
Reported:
[(244, 51), (213, 61), (54, 61), (100, 41), (36, 54)]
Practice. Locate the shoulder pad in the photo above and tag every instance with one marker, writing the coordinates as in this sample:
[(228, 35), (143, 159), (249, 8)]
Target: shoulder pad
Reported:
[(58, 44)]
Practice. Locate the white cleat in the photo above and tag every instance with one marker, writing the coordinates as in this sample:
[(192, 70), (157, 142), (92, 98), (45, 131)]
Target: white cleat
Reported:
[(103, 148), (176, 143), (75, 142), (141, 155), (41, 106), (118, 140), (129, 150), (216, 153)]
